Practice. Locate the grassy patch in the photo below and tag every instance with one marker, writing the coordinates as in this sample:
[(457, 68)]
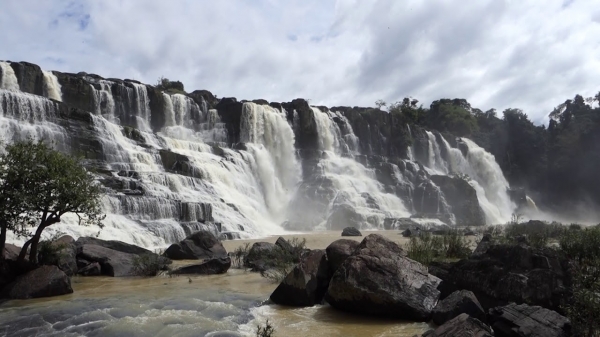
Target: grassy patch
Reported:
[(427, 248)]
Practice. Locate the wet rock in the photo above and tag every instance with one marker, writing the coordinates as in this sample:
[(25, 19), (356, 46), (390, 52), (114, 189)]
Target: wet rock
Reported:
[(229, 236), (459, 302), (200, 245), (462, 325), (112, 244), (379, 280), (351, 231), (92, 269), (44, 281), (338, 251), (284, 244), (218, 265), (306, 284), (410, 232), (462, 198), (528, 321), (113, 263), (399, 223)]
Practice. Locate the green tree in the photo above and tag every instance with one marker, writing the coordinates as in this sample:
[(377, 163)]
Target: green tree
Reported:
[(44, 185)]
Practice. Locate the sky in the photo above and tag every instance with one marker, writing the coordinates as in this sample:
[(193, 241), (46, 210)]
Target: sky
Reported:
[(500, 54)]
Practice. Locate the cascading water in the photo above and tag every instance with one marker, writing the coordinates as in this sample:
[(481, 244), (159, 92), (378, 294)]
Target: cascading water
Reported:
[(51, 86), (355, 185), (485, 175), (8, 79)]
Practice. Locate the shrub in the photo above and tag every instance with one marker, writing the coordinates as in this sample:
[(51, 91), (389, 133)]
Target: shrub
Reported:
[(265, 331), (583, 309), (238, 256), (149, 264), (50, 253), (538, 233), (427, 248), (280, 261)]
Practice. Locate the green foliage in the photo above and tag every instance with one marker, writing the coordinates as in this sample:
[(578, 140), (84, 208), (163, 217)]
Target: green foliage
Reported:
[(44, 184), (266, 330), (148, 264), (283, 261), (172, 87), (51, 252), (583, 309), (239, 256), (426, 248)]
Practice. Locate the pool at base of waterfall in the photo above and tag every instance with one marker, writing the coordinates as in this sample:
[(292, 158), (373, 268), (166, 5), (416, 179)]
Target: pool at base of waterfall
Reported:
[(230, 304)]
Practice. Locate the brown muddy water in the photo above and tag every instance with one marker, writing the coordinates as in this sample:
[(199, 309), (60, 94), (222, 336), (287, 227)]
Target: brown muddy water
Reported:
[(218, 305)]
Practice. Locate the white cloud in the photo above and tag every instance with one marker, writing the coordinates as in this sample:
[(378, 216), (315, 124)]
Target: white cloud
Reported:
[(500, 54)]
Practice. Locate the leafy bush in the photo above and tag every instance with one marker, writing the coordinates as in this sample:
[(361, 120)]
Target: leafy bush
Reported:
[(538, 233), (173, 87), (427, 248), (50, 253), (238, 256), (265, 331), (278, 272), (583, 309), (149, 264)]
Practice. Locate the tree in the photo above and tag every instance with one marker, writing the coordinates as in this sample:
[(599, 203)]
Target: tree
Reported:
[(49, 184), (380, 104)]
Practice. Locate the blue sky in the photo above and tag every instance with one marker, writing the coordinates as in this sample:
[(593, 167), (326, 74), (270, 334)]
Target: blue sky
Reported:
[(497, 54)]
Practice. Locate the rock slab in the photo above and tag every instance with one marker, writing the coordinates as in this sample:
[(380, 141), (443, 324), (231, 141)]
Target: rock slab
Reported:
[(44, 281), (351, 231), (462, 325), (338, 251), (528, 321), (198, 246), (306, 284), (217, 265), (459, 302), (379, 280)]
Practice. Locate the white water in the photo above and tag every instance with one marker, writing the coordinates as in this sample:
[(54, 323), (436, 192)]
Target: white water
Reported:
[(350, 178), (51, 86), (485, 175), (8, 80)]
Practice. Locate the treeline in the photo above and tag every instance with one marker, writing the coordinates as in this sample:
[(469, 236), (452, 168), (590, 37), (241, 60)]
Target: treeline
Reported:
[(559, 164)]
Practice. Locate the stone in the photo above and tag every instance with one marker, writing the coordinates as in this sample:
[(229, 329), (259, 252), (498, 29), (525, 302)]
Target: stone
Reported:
[(351, 231), (92, 269), (399, 223), (44, 281), (338, 251), (410, 232), (462, 198), (306, 284), (343, 216), (113, 244), (217, 265), (113, 263), (284, 245), (200, 245), (501, 274), (67, 258), (379, 280), (528, 321), (11, 252), (459, 302), (462, 325)]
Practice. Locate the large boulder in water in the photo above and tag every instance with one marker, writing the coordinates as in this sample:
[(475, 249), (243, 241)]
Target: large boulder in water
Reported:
[(528, 321), (351, 231), (306, 284), (200, 245), (112, 262), (459, 302), (218, 265), (500, 274), (113, 244), (338, 251), (462, 325), (261, 256), (379, 280), (44, 281)]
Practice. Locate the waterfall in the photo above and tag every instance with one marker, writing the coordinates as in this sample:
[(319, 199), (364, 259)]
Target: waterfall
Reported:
[(485, 175), (8, 80), (104, 102), (51, 86), (142, 101), (270, 139), (355, 185)]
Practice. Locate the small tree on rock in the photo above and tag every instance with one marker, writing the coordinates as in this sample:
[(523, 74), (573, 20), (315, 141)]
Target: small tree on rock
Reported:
[(49, 185)]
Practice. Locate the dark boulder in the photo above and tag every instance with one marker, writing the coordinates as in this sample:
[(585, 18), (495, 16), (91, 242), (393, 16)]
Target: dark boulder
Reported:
[(462, 198), (338, 251), (462, 325), (351, 231), (200, 245), (92, 269), (44, 281), (112, 244), (284, 244), (379, 280), (217, 265), (399, 223), (113, 263), (260, 256), (306, 284), (528, 321), (459, 302), (410, 232), (501, 274)]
